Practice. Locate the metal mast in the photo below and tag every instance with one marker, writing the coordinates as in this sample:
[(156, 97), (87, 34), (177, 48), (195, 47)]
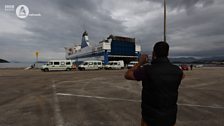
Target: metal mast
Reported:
[(164, 21)]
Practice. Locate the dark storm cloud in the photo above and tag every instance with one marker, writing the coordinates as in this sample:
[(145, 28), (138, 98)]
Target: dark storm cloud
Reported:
[(70, 18), (194, 27), (194, 33), (184, 3), (89, 15), (62, 24), (78, 5)]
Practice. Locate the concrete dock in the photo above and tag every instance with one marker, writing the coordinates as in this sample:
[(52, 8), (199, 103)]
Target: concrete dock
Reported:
[(102, 98)]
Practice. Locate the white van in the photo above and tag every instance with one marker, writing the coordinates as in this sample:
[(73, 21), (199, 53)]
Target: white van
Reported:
[(131, 64), (54, 65), (115, 65), (91, 65)]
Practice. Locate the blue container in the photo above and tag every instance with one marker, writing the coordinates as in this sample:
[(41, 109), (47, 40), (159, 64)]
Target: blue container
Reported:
[(121, 47)]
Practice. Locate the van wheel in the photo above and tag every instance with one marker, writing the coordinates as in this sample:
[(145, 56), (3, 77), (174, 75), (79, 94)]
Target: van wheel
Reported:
[(46, 70), (68, 69), (81, 69)]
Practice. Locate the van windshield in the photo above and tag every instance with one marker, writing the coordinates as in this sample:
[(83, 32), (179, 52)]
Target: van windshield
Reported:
[(50, 63)]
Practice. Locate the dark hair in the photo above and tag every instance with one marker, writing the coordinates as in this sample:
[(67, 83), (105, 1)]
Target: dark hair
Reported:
[(161, 49)]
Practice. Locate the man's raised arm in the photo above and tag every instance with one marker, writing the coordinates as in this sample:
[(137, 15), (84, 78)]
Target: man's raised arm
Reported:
[(130, 74)]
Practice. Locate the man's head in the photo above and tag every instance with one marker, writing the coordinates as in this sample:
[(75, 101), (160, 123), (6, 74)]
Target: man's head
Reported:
[(160, 49)]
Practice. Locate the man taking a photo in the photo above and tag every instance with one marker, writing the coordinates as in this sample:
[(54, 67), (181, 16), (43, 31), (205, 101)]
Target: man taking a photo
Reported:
[(160, 82)]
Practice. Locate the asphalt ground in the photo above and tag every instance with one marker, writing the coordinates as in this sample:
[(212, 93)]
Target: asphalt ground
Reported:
[(102, 98)]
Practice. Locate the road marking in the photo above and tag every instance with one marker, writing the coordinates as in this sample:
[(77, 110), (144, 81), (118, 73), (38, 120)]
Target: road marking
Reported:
[(201, 106), (199, 85), (131, 100), (57, 111), (98, 97), (76, 81), (62, 82)]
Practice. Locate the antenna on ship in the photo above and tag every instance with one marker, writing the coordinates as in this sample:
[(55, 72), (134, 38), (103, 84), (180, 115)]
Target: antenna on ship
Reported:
[(164, 21), (84, 27)]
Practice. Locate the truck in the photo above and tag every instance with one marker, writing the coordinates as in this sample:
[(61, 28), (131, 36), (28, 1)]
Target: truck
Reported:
[(91, 65), (57, 65), (112, 65)]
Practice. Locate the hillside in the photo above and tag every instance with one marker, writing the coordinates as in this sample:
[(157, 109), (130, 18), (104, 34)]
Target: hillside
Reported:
[(3, 61), (197, 60)]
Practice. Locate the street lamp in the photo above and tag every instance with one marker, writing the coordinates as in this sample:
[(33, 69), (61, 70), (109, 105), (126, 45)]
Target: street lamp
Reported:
[(37, 54), (164, 21)]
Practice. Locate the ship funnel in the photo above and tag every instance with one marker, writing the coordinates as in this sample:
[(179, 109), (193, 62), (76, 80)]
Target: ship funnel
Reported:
[(85, 40)]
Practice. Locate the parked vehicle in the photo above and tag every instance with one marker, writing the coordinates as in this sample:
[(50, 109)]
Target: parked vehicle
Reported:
[(184, 67), (91, 65), (115, 65), (131, 64), (55, 65), (199, 66)]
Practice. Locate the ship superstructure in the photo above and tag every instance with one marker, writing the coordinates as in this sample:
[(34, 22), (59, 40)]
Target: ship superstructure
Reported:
[(112, 48)]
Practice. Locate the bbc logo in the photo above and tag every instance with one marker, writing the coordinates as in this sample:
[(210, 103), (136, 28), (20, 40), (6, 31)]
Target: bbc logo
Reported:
[(9, 7)]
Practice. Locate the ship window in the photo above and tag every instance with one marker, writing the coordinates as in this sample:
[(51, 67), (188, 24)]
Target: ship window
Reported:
[(56, 63)]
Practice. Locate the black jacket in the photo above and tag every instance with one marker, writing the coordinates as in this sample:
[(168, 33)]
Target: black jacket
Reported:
[(160, 82)]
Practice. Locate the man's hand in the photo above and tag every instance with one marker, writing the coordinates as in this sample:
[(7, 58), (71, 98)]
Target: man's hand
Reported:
[(143, 59), (130, 73)]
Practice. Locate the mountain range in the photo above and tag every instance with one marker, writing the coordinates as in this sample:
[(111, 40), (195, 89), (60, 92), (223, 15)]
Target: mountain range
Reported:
[(197, 60)]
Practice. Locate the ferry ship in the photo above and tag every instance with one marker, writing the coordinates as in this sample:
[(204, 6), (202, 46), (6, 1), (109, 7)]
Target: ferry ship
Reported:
[(112, 48)]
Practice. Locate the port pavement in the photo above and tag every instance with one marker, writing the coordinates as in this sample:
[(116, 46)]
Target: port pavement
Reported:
[(102, 98)]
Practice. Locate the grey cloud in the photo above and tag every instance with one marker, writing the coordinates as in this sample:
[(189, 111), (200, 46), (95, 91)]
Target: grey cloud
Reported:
[(198, 33), (184, 3), (78, 5)]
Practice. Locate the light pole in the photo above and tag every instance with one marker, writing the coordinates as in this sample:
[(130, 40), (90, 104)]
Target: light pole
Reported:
[(164, 21), (37, 54)]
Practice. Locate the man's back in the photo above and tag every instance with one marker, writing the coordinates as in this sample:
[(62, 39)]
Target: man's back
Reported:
[(160, 92), (160, 86)]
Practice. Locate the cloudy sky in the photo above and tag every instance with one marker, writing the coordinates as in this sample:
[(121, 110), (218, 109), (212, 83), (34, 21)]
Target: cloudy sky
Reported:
[(194, 27)]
